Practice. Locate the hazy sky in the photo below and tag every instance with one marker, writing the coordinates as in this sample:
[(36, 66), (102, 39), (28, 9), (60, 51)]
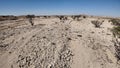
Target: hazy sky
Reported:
[(57, 7)]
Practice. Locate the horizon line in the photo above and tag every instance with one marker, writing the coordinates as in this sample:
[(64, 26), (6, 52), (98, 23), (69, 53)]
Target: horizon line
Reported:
[(59, 15)]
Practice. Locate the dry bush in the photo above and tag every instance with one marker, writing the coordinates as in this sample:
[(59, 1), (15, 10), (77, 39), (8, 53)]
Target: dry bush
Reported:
[(116, 28), (3, 18), (116, 31), (76, 17), (117, 49), (62, 17), (96, 23), (46, 17), (84, 16), (30, 17), (115, 22)]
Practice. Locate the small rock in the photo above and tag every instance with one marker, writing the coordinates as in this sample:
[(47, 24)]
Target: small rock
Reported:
[(53, 43), (69, 38), (79, 35)]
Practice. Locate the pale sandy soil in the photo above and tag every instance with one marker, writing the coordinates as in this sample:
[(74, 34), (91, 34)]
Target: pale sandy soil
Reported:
[(55, 43)]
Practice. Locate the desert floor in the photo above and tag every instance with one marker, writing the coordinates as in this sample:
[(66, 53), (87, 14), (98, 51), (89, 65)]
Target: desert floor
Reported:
[(55, 43)]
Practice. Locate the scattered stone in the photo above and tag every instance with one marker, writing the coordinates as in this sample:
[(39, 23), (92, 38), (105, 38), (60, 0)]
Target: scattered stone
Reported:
[(79, 35), (53, 43), (92, 32)]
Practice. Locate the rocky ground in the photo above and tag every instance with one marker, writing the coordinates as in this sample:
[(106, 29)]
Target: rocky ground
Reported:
[(58, 42)]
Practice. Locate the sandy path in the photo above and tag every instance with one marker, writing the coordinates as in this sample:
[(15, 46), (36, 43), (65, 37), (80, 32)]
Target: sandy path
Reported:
[(81, 55), (89, 51)]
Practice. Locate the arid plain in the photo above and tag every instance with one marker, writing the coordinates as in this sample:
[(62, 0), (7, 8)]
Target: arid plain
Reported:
[(66, 41)]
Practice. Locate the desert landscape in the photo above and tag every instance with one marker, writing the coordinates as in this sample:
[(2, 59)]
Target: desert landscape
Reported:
[(59, 41)]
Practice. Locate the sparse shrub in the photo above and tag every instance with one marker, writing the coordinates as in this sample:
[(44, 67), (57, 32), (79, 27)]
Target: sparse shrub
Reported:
[(117, 49), (73, 17), (62, 17), (96, 23), (116, 31), (76, 17), (30, 17), (116, 28), (115, 22), (84, 16), (3, 18), (46, 17), (65, 18), (49, 16)]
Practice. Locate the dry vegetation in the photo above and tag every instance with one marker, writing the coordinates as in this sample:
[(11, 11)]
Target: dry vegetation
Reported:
[(96, 23), (3, 18), (116, 29), (116, 33)]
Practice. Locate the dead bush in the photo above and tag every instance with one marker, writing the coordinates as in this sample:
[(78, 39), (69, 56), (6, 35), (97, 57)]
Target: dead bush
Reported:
[(96, 23), (84, 16), (76, 17), (62, 17), (3, 18), (30, 17)]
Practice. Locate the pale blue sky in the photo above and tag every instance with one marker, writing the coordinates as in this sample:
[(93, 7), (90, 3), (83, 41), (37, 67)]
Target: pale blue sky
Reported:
[(58, 7)]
